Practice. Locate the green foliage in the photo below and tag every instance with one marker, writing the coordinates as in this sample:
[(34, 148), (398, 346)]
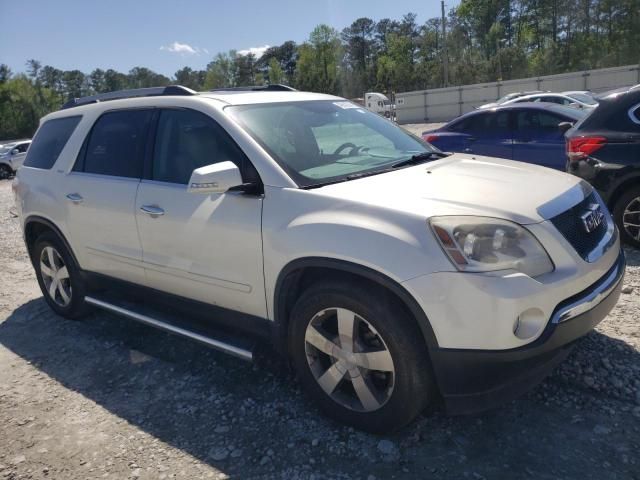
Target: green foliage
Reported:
[(276, 74), (486, 40), (22, 104)]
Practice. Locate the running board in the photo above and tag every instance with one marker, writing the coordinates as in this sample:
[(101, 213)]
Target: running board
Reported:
[(223, 346)]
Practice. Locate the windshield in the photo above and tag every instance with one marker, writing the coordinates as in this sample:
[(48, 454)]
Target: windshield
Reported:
[(570, 112), (325, 141), (581, 97), (508, 97)]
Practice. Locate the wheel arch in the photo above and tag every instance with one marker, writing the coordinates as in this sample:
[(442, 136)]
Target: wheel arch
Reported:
[(301, 273), (621, 188), (34, 226)]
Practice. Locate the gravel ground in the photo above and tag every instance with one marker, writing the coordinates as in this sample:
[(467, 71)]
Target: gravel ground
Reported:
[(106, 398)]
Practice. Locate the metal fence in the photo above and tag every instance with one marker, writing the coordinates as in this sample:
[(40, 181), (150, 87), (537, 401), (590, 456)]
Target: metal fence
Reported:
[(443, 104)]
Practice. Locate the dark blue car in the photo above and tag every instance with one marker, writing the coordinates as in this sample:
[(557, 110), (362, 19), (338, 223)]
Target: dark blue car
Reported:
[(528, 132)]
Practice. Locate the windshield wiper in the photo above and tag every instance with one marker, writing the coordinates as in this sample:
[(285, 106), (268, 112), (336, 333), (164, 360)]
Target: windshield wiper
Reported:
[(419, 158)]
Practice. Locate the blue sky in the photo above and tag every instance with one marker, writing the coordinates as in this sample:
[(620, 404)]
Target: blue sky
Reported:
[(166, 35)]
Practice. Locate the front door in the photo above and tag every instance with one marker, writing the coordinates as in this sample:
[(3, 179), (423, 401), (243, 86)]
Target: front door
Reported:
[(206, 247), (489, 133)]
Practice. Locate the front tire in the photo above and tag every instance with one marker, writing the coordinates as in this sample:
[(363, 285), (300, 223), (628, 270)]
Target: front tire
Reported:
[(626, 214), (59, 277), (360, 356)]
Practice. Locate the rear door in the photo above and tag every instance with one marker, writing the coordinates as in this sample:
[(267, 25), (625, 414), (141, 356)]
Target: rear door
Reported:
[(537, 138), (100, 195), (207, 247)]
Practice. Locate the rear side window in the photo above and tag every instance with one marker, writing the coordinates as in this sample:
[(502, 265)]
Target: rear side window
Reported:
[(116, 144), (528, 120), (485, 122), (186, 140), (49, 141)]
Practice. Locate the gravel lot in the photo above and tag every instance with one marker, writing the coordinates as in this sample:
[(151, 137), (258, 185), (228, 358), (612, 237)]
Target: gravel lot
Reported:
[(107, 398)]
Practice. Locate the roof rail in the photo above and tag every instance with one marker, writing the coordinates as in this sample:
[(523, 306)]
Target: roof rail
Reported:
[(135, 92), (274, 87)]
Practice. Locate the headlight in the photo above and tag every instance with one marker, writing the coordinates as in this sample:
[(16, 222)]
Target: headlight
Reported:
[(483, 244)]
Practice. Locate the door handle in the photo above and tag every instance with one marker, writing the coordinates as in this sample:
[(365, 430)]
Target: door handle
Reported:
[(75, 197), (152, 210)]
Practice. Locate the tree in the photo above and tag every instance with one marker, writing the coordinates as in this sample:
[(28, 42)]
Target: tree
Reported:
[(276, 74), (221, 71), (5, 73), (73, 82), (189, 78), (97, 81), (318, 61), (33, 67)]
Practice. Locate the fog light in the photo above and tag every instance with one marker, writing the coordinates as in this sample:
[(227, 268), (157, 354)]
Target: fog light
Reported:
[(529, 324)]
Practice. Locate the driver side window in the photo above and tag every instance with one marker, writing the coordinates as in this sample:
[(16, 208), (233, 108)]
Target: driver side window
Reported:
[(186, 140)]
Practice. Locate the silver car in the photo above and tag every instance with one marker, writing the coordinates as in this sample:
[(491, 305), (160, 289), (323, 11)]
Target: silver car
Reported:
[(12, 156)]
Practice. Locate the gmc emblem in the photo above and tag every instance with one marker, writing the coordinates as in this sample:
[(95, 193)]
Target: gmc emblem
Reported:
[(592, 218)]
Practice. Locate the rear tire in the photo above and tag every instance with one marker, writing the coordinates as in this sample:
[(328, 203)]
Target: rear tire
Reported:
[(626, 213), (59, 277), (360, 356), (5, 171)]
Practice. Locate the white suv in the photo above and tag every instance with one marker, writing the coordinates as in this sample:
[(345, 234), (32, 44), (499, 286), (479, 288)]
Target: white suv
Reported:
[(391, 274)]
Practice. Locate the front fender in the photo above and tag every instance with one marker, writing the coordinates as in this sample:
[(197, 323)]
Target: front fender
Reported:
[(299, 224)]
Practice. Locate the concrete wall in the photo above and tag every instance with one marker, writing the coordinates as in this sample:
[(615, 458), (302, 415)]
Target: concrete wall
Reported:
[(444, 104)]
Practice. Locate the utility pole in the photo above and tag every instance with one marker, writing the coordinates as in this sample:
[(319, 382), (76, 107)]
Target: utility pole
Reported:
[(499, 59), (445, 58)]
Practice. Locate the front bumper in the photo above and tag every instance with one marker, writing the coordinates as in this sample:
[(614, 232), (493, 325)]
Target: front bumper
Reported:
[(475, 380)]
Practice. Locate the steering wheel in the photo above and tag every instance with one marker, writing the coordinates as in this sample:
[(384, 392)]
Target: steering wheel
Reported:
[(350, 145)]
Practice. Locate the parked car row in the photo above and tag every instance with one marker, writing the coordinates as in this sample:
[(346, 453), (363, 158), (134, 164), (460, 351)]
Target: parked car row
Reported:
[(582, 99), (601, 145), (12, 155)]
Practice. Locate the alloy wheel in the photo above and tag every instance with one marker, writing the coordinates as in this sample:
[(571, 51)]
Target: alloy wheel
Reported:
[(349, 359), (55, 276), (631, 218)]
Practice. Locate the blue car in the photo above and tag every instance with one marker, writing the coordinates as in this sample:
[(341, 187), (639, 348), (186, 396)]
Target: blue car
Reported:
[(528, 132)]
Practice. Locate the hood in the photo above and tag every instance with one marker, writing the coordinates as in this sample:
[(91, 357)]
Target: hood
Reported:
[(468, 185)]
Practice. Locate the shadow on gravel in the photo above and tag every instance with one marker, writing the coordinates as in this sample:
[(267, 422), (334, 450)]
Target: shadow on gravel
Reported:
[(251, 420), (632, 256)]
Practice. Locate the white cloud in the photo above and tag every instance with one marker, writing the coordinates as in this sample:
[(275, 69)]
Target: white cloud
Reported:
[(257, 51), (181, 48)]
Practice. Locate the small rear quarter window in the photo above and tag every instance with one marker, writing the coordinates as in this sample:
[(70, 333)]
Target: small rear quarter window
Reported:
[(49, 141)]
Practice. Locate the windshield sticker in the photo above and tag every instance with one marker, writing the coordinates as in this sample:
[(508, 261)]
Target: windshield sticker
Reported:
[(345, 105)]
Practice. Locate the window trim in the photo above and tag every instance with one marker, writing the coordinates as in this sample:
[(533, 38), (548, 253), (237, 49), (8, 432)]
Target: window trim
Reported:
[(82, 153), (151, 144)]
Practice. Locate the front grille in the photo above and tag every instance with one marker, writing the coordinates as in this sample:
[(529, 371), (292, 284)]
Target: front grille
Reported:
[(570, 225)]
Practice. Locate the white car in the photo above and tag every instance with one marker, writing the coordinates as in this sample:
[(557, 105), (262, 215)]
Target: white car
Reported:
[(12, 156), (392, 275), (576, 99)]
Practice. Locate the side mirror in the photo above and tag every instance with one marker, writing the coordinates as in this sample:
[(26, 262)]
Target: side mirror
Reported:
[(15, 151), (216, 178), (564, 126)]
